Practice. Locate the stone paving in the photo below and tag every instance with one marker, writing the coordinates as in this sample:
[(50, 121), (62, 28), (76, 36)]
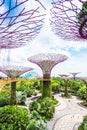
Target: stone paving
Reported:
[(68, 115), (67, 122)]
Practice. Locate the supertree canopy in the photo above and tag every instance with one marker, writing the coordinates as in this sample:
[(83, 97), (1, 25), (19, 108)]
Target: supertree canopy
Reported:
[(69, 19), (74, 74), (14, 72), (64, 76), (46, 62), (20, 22)]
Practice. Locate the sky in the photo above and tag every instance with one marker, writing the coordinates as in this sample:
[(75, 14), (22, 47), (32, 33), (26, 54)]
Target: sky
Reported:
[(48, 42)]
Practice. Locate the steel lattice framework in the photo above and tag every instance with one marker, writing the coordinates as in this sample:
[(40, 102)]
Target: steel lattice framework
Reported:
[(47, 61), (20, 22), (14, 71), (64, 19), (74, 74), (64, 76)]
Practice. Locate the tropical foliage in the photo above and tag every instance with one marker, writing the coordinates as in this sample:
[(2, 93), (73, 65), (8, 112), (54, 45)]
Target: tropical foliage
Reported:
[(13, 118), (83, 125), (45, 107)]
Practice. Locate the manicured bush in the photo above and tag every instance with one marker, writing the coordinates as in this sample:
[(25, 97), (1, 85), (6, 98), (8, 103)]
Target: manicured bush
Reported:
[(45, 107), (13, 118)]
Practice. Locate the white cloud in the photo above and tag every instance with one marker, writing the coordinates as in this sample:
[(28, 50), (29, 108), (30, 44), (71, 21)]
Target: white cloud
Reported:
[(73, 64), (47, 42)]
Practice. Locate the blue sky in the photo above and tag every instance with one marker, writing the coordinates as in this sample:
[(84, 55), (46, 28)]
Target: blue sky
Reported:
[(46, 42)]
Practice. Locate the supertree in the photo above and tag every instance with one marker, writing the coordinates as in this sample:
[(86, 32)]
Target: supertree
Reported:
[(74, 74), (46, 62), (20, 22), (65, 77), (14, 72), (69, 19), (84, 79)]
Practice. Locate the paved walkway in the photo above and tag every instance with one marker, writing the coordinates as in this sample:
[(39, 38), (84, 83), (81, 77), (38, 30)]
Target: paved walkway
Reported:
[(68, 114)]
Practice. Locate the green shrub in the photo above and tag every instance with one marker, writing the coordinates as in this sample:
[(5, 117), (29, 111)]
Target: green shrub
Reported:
[(36, 121), (82, 92), (55, 87), (36, 84), (4, 97), (45, 107), (35, 115), (21, 88), (29, 92), (21, 97), (55, 101), (36, 125), (35, 105), (28, 87), (83, 125), (80, 127), (84, 103), (13, 118), (4, 100)]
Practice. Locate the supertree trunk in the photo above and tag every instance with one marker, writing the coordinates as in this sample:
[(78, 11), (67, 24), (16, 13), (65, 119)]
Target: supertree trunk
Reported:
[(46, 90), (66, 88), (13, 93)]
